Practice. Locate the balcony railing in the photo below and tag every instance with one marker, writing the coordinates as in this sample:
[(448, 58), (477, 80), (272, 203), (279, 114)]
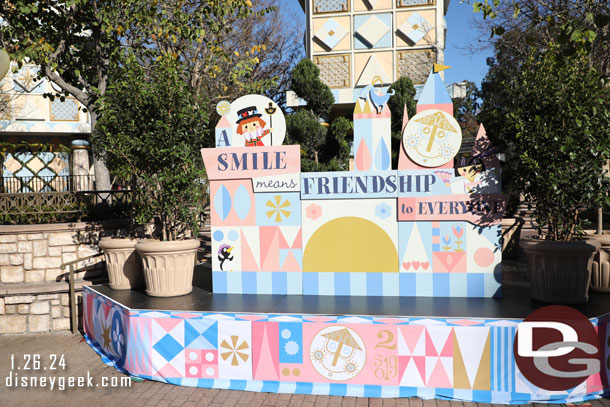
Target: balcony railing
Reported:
[(59, 183)]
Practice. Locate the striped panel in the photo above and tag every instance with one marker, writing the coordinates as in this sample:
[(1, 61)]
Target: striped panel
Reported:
[(502, 359)]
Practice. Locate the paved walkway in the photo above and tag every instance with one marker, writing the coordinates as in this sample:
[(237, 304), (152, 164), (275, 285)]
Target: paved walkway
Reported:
[(81, 360)]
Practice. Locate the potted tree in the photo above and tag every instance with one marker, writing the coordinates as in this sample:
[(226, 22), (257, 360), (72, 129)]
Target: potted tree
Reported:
[(561, 121), (150, 131)]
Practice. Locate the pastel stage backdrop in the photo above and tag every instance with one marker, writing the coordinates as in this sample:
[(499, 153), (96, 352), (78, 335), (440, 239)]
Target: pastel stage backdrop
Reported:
[(365, 356), (429, 228)]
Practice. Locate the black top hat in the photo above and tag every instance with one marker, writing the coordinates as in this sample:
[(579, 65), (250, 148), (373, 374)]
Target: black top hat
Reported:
[(247, 113)]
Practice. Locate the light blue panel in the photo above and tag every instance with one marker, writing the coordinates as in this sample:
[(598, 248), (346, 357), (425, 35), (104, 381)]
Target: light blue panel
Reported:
[(219, 282), (223, 137), (404, 234), (279, 282), (355, 390), (342, 285), (384, 42), (357, 284), (242, 202), (441, 284), (382, 156), (412, 183), (321, 388), (269, 207), (248, 282), (346, 184), (326, 283), (434, 91), (493, 287), (338, 389), (294, 283), (453, 232), (408, 284), (458, 284), (290, 334), (310, 283), (374, 284), (222, 202), (475, 284), (234, 283), (424, 285), (391, 286), (371, 390), (264, 282)]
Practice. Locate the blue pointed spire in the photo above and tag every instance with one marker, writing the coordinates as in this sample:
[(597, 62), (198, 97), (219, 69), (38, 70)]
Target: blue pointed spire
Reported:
[(434, 91)]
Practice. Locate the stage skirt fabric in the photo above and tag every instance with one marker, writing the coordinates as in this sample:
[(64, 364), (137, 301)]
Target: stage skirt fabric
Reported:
[(362, 356)]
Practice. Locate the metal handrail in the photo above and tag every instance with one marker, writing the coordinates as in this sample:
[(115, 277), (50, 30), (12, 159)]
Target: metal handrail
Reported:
[(70, 264)]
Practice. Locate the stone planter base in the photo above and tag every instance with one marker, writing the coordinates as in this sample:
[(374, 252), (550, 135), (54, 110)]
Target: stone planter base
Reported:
[(123, 263), (168, 266), (600, 266), (559, 272)]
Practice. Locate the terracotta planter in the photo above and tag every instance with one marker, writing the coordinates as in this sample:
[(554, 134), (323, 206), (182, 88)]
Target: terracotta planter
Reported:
[(559, 272), (511, 232), (168, 266), (600, 266), (122, 262)]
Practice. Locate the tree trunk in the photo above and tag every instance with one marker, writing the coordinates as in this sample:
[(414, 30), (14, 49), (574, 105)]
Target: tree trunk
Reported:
[(102, 176)]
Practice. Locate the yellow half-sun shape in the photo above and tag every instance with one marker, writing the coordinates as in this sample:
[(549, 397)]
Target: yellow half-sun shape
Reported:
[(350, 244)]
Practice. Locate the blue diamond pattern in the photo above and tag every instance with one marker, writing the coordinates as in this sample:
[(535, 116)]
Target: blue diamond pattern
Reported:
[(168, 347)]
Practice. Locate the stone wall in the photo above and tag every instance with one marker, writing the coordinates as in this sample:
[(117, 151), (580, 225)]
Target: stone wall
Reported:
[(35, 313), (33, 287)]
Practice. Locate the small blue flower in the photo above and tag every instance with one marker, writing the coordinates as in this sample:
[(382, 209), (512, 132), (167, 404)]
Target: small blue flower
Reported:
[(383, 210), (447, 239)]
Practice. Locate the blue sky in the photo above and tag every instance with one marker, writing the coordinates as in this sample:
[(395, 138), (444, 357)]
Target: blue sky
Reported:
[(460, 33)]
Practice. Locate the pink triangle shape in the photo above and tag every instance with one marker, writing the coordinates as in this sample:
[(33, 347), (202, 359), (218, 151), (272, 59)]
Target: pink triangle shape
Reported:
[(265, 367), (169, 371), (282, 241), (430, 348), (270, 256), (168, 323), (223, 123), (298, 241), (448, 348), (403, 362), (420, 362), (466, 322), (291, 263), (411, 334), (363, 157), (439, 377), (106, 309), (248, 262)]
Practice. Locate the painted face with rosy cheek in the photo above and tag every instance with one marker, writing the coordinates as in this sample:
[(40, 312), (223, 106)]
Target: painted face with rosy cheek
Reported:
[(251, 127)]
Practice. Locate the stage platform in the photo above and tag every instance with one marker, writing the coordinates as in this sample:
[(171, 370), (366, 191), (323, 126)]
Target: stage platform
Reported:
[(453, 348)]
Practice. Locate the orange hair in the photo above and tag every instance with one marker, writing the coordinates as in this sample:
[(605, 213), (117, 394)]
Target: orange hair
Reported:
[(239, 126)]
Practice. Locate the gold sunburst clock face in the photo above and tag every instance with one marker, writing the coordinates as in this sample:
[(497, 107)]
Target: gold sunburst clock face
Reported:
[(432, 138)]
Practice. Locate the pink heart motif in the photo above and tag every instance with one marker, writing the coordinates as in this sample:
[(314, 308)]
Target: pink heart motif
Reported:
[(425, 265), (415, 265), (406, 265)]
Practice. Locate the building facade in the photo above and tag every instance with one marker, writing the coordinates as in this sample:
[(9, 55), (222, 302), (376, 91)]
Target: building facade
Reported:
[(44, 141), (359, 42)]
